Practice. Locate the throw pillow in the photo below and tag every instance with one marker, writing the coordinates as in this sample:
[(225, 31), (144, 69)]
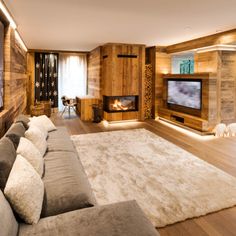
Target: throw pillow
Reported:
[(27, 149), (37, 138), (40, 127), (25, 190), (16, 128), (7, 158), (8, 223), (43, 121), (14, 138), (23, 119)]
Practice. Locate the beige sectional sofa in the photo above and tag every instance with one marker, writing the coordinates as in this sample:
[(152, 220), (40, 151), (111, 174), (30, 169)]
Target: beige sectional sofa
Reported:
[(69, 206)]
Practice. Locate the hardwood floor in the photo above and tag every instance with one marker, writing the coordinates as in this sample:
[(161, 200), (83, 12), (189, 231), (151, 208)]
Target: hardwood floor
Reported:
[(220, 152)]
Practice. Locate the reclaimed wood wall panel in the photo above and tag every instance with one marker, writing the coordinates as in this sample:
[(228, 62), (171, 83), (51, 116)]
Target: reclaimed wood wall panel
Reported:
[(15, 80), (95, 73), (163, 66), (228, 86), (31, 80)]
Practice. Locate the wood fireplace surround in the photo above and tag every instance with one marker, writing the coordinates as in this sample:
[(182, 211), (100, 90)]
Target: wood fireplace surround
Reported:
[(123, 68)]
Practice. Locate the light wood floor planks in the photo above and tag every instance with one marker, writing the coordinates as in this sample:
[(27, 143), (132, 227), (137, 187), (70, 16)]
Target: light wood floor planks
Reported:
[(219, 152)]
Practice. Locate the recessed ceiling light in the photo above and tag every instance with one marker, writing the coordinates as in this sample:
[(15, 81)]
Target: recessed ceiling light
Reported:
[(188, 28)]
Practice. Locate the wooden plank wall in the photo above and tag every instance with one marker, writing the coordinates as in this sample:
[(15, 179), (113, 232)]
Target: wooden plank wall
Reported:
[(31, 80), (95, 73), (15, 80), (210, 62), (223, 66), (228, 87), (163, 66)]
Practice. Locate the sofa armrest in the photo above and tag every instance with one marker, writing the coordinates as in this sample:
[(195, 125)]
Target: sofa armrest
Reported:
[(119, 219)]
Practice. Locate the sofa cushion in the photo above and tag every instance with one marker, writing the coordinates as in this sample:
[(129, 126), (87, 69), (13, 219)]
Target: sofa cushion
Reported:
[(59, 140), (120, 219), (60, 133), (15, 139), (8, 224), (36, 136), (7, 158), (41, 128), (65, 145), (17, 129), (43, 120), (66, 184), (25, 190), (31, 154), (23, 119)]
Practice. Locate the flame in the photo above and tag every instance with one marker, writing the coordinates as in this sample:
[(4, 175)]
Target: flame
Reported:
[(117, 105)]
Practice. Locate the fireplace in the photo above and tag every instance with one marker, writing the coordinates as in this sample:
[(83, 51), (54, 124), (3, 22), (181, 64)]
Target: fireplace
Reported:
[(120, 103)]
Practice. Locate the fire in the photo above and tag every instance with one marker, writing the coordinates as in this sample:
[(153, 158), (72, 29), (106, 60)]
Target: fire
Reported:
[(117, 105)]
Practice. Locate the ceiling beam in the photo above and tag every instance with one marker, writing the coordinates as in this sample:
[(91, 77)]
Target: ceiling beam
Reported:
[(226, 37)]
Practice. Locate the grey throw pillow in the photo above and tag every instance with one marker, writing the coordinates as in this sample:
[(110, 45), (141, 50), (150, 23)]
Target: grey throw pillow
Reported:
[(23, 119), (18, 129), (7, 158), (15, 139)]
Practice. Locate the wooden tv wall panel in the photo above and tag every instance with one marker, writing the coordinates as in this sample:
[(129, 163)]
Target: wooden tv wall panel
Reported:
[(203, 120)]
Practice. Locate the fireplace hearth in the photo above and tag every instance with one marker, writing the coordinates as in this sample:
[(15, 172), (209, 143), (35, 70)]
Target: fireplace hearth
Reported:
[(120, 103)]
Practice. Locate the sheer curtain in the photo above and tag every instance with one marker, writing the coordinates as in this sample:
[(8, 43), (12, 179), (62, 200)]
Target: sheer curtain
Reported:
[(72, 80)]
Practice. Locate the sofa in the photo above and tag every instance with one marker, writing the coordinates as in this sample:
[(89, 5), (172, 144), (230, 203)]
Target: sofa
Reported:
[(69, 205)]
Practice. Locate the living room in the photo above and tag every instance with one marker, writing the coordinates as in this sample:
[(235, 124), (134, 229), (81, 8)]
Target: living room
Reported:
[(117, 118)]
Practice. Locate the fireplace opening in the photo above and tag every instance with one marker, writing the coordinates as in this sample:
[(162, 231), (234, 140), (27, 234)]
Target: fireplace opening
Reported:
[(120, 103)]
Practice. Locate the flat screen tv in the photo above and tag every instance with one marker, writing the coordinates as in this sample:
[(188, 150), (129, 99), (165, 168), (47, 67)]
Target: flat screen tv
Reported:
[(184, 93)]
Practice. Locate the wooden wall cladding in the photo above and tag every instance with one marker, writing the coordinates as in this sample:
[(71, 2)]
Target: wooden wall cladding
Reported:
[(119, 116), (15, 80), (121, 75), (95, 73), (163, 66), (223, 65), (31, 80), (207, 62), (228, 86), (123, 72)]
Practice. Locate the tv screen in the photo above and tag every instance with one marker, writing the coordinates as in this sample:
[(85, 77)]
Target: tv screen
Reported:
[(184, 93)]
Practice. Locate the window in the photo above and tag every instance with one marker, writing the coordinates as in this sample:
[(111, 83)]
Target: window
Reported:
[(72, 79)]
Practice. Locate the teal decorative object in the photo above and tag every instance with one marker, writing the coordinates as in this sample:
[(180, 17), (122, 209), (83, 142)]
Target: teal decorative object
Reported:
[(187, 67)]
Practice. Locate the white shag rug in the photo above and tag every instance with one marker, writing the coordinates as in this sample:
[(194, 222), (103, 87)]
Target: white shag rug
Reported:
[(169, 183)]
